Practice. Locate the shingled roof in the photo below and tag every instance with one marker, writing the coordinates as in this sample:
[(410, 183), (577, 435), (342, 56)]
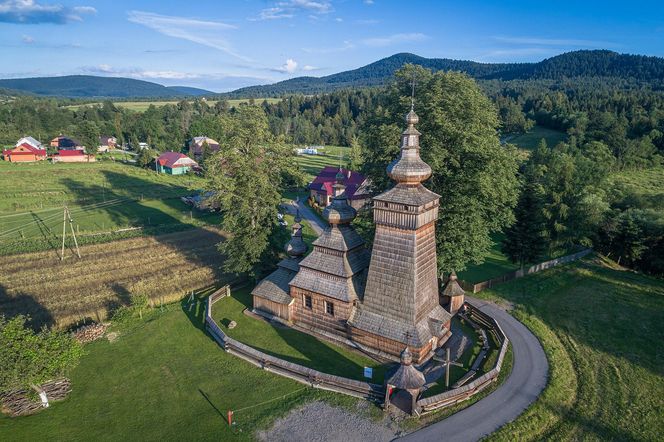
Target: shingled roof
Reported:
[(275, 286), (355, 182)]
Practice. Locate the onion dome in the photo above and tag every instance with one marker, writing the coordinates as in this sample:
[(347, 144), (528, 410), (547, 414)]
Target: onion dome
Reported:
[(296, 247), (409, 167), (339, 211), (407, 377)]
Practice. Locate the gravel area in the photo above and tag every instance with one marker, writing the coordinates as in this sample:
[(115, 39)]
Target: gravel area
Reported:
[(318, 421)]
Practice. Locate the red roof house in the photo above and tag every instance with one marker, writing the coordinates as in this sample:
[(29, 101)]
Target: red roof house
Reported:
[(357, 186), (72, 156), (23, 153), (174, 163)]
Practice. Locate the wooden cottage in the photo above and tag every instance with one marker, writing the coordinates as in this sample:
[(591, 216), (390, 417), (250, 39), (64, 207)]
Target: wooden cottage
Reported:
[(197, 146)]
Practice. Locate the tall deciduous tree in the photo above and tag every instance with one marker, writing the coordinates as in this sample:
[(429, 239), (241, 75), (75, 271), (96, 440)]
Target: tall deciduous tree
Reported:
[(247, 175), (474, 174)]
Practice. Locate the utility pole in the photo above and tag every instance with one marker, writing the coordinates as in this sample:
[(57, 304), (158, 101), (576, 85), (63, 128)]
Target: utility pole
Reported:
[(66, 216)]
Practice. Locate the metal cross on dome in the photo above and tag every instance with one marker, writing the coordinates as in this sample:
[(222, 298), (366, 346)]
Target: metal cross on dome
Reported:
[(412, 93)]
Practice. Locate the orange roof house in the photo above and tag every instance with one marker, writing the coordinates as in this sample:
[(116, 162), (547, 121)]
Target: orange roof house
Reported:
[(24, 153)]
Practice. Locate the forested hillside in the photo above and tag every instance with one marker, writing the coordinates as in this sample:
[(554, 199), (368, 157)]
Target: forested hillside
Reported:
[(597, 63), (91, 86)]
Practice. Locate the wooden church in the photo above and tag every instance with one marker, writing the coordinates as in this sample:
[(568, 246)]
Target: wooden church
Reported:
[(381, 301)]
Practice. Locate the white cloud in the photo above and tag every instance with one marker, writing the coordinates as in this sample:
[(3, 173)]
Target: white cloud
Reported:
[(290, 8), (203, 32), (368, 2), (552, 41), (32, 12), (290, 66), (521, 52), (310, 68), (27, 39), (110, 71), (394, 39), (339, 19)]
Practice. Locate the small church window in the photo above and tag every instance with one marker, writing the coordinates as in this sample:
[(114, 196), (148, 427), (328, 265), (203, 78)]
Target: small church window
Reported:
[(329, 308), (307, 301)]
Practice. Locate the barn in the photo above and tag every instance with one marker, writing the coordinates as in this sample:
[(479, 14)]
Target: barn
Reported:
[(24, 153)]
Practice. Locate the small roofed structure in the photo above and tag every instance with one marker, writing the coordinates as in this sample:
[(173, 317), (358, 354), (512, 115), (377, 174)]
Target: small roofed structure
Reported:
[(407, 378), (107, 143), (271, 297), (66, 143), (31, 141), (453, 295), (175, 163)]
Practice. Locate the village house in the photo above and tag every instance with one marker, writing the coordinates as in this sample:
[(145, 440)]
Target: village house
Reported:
[(196, 146), (311, 150), (31, 141), (24, 152), (383, 302), (174, 163), (107, 143), (72, 156), (356, 185), (66, 143)]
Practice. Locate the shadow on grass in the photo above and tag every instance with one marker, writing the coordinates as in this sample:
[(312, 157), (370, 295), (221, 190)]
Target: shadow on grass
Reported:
[(23, 304)]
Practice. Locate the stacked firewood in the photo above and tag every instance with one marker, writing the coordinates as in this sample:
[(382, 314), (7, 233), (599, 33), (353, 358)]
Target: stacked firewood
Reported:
[(89, 333), (23, 402)]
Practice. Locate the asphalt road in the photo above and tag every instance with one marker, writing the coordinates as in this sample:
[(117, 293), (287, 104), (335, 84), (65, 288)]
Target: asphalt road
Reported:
[(522, 387), (308, 214)]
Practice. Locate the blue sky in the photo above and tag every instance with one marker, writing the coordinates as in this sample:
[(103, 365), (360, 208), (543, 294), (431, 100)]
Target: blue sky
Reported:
[(225, 44)]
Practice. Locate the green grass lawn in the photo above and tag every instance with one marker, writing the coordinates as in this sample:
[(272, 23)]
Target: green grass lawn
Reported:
[(165, 379), (602, 331), (311, 165), (289, 344), (530, 140), (101, 196)]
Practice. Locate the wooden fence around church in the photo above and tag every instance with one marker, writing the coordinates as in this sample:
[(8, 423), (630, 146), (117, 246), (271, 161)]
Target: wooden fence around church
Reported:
[(474, 288), (374, 392), (305, 375), (460, 394)]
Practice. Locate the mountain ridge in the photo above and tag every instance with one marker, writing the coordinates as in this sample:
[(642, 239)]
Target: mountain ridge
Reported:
[(90, 86), (582, 63)]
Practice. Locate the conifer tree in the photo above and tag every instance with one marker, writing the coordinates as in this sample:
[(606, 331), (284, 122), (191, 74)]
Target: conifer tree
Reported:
[(525, 239)]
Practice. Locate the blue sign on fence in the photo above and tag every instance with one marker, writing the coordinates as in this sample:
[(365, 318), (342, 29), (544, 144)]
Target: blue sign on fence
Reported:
[(368, 372)]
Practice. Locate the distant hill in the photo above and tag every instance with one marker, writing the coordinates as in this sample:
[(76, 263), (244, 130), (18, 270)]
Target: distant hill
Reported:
[(586, 63), (89, 86)]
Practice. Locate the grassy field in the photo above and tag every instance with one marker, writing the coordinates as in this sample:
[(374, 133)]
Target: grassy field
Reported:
[(644, 186), (59, 293), (165, 379), (530, 140), (142, 106), (102, 197), (291, 345), (311, 165), (602, 330)]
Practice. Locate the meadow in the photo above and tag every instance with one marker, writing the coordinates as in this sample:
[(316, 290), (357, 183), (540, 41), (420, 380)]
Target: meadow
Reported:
[(311, 165), (164, 378), (601, 328), (102, 197), (142, 106), (530, 140)]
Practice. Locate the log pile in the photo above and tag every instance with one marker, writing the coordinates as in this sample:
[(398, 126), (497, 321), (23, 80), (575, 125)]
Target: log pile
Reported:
[(24, 402), (89, 333)]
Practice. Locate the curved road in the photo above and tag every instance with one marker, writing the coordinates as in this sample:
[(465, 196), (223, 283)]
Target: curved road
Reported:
[(522, 387)]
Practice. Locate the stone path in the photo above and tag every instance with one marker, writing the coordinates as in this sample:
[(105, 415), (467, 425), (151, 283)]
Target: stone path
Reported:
[(522, 387)]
